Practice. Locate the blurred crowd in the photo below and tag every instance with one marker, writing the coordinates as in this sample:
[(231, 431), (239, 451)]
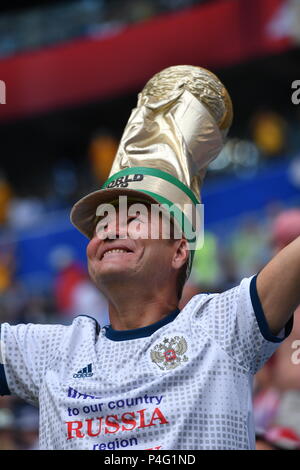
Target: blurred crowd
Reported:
[(232, 250), (45, 25)]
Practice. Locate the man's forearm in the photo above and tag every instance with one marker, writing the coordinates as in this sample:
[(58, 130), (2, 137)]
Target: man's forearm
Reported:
[(278, 286)]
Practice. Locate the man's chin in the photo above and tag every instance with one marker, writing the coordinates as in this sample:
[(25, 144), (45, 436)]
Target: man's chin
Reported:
[(114, 273)]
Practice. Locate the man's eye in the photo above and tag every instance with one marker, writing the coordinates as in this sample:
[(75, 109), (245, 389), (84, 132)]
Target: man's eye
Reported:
[(135, 219), (101, 227)]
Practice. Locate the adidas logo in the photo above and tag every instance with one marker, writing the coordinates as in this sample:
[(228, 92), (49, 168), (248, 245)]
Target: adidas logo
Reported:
[(83, 373)]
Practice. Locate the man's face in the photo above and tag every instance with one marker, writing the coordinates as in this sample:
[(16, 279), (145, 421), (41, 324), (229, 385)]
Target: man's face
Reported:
[(139, 256)]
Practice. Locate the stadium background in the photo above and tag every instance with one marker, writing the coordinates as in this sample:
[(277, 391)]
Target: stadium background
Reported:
[(72, 70)]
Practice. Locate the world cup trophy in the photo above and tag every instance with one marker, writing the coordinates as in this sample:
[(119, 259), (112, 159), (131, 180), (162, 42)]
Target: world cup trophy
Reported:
[(178, 127)]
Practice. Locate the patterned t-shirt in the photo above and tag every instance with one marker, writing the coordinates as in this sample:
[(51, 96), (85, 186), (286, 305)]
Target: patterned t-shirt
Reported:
[(184, 382)]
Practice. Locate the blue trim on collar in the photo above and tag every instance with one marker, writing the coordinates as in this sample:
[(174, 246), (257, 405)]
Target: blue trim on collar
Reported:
[(261, 319), (125, 335)]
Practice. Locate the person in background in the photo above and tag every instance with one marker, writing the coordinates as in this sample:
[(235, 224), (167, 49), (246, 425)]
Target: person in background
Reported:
[(277, 397)]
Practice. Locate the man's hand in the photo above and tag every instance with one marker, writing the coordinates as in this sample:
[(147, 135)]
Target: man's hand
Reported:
[(278, 286)]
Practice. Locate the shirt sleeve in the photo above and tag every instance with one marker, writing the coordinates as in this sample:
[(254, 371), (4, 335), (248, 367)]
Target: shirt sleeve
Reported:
[(26, 353), (236, 322)]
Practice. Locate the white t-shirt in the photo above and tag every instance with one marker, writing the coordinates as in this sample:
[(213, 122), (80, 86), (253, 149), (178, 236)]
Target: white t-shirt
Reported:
[(184, 382)]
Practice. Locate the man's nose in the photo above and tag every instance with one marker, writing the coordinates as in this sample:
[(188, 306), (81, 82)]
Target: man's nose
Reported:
[(117, 228)]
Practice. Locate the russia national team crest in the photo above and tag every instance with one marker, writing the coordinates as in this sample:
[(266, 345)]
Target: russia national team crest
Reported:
[(170, 353)]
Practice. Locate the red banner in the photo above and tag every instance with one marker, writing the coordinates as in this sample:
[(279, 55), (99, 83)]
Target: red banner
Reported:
[(213, 35)]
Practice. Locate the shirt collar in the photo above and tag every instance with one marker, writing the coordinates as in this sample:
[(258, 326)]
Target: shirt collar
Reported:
[(125, 335)]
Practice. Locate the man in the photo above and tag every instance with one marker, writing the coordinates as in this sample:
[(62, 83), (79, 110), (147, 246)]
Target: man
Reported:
[(156, 377)]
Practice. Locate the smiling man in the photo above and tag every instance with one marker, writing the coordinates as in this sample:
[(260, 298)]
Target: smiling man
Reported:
[(156, 377), (123, 258)]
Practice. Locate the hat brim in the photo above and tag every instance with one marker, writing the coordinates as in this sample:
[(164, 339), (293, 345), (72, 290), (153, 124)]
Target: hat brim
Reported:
[(83, 214)]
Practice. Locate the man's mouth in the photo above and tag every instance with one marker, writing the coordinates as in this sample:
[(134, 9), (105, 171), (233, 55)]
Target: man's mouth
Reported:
[(115, 251)]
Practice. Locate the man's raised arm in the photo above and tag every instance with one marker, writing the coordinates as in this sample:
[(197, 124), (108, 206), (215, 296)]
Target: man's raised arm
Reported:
[(278, 286)]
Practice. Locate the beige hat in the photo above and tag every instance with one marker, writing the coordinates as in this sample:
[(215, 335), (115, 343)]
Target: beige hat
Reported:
[(179, 126)]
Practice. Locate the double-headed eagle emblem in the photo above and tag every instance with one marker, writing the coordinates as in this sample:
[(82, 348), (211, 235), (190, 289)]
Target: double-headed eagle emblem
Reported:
[(170, 353)]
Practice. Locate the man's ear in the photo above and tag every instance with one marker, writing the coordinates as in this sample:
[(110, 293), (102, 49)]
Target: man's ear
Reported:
[(181, 254)]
